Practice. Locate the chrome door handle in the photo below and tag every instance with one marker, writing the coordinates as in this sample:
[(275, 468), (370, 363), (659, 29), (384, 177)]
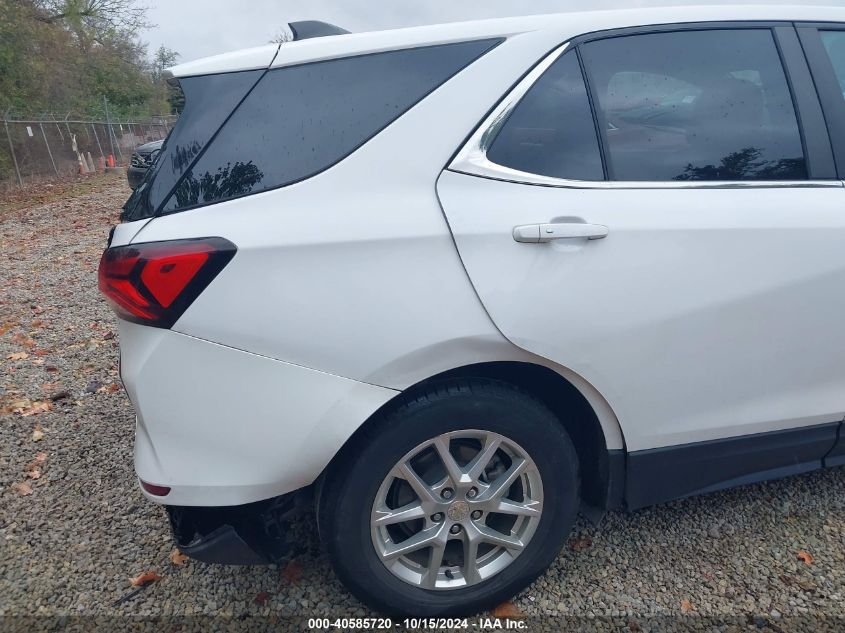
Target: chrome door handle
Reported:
[(538, 233)]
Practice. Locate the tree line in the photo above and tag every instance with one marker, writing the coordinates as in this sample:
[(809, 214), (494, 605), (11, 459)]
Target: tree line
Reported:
[(64, 55)]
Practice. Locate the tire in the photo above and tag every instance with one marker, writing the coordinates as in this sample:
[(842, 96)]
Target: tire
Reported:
[(471, 414)]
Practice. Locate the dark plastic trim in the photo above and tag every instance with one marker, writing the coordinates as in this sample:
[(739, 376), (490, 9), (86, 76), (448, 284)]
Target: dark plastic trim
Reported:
[(818, 150), (616, 475), (827, 85), (836, 455), (223, 546), (308, 29), (663, 474)]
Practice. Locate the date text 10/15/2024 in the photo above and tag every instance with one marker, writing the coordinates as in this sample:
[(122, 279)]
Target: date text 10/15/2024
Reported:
[(417, 624)]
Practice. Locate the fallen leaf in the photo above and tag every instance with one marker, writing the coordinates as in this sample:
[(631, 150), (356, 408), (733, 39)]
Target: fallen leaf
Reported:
[(634, 627), (144, 579), (40, 352), (23, 488), (579, 545), (805, 557), (35, 409), (33, 468), (686, 606), (23, 339), (19, 405), (178, 558), (261, 597), (109, 388), (18, 356), (37, 432), (507, 610), (292, 573), (6, 327), (787, 580)]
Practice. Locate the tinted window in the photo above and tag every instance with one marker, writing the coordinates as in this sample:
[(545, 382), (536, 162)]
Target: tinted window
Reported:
[(301, 120), (209, 100), (695, 105), (834, 43), (551, 130)]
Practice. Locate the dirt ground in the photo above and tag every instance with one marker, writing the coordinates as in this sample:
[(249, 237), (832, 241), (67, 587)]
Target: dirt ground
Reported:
[(74, 528)]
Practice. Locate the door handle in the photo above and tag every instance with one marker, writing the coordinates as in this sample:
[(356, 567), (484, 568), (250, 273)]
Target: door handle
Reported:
[(538, 233)]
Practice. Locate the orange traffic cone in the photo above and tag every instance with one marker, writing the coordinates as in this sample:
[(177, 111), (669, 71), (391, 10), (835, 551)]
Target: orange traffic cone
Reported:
[(83, 168), (111, 161)]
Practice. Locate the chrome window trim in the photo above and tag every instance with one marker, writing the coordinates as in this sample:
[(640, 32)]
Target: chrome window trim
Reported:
[(472, 158)]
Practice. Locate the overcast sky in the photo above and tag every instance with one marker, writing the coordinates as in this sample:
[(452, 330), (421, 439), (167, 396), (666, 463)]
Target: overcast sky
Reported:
[(198, 28)]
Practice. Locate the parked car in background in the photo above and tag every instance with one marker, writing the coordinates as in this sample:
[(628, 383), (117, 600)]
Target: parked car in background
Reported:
[(142, 159), (459, 281)]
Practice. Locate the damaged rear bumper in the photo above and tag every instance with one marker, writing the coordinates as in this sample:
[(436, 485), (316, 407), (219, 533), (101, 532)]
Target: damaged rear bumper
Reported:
[(252, 534)]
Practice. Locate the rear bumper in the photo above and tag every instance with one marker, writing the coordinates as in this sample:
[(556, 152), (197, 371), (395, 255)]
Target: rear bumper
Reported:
[(223, 427), (253, 534)]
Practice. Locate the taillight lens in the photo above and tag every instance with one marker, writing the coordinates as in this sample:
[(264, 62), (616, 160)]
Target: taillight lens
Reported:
[(154, 283)]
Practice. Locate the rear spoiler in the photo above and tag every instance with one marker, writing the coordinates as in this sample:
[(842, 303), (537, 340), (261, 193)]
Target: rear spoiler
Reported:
[(308, 29)]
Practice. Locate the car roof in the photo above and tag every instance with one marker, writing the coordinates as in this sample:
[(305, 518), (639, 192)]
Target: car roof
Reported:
[(568, 24)]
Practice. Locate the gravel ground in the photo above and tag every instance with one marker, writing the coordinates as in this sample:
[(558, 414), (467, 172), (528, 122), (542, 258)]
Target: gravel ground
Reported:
[(69, 547)]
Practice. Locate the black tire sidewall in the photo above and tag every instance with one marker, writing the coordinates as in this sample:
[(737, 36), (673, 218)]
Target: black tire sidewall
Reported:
[(486, 406)]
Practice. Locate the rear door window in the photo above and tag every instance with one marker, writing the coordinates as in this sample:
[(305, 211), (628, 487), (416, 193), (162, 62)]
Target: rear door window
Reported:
[(301, 120), (551, 131), (834, 44), (695, 105)]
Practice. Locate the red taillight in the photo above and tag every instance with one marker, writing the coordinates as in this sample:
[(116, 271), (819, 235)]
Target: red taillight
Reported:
[(154, 283)]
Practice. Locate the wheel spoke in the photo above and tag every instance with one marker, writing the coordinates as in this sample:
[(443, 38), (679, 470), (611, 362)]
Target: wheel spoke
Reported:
[(503, 483), (441, 445), (419, 486), (480, 461), (491, 536), (413, 510), (519, 508), (435, 560), (470, 569), (421, 539)]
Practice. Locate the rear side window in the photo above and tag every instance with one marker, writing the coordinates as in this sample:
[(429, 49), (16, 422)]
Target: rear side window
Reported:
[(695, 105), (834, 44), (301, 120), (209, 99), (551, 130)]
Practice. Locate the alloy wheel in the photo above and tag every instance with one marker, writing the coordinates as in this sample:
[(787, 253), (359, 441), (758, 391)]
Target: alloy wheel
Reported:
[(456, 510)]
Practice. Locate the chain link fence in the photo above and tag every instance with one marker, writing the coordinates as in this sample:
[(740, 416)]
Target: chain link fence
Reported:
[(43, 147)]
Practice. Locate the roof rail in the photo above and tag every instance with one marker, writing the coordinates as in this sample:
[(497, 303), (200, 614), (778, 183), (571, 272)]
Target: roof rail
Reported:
[(307, 29)]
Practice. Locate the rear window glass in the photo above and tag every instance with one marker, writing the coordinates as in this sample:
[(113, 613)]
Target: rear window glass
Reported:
[(834, 44), (301, 120), (551, 132), (695, 105), (209, 100)]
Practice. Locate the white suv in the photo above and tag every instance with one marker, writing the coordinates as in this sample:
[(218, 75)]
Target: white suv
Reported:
[(457, 282)]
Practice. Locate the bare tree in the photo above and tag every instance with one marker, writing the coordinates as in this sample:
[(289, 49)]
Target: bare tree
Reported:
[(94, 20)]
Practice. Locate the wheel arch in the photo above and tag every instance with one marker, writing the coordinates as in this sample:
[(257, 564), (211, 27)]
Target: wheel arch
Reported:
[(581, 409)]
